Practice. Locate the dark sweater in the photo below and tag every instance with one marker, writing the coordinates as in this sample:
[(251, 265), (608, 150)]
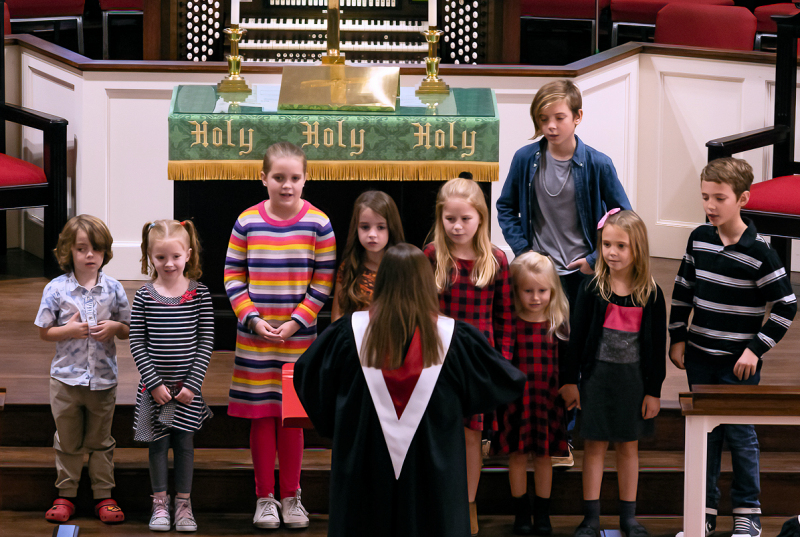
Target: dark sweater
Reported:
[(586, 329), (729, 287)]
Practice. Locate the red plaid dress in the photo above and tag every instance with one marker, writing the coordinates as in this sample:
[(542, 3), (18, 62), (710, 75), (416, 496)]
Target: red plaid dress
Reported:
[(489, 309), (535, 422)]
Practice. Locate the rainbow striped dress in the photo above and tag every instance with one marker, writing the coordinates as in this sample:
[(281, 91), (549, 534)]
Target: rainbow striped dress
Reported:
[(277, 270)]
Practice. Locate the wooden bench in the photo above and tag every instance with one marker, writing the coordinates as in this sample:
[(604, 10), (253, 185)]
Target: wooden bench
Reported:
[(709, 406)]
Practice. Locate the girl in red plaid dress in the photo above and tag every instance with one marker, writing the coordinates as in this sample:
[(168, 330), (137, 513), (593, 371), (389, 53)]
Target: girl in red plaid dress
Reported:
[(472, 280), (535, 422)]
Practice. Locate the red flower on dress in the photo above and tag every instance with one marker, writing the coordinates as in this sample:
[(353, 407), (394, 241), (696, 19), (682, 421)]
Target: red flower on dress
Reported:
[(188, 295)]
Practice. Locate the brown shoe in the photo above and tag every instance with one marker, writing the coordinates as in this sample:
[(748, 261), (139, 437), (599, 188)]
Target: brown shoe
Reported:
[(473, 519), (563, 462)]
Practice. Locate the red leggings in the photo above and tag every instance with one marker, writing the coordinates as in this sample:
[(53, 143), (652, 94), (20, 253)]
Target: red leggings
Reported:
[(267, 435)]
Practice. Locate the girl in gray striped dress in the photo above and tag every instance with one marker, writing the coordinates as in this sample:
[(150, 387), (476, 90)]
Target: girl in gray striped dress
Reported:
[(172, 336)]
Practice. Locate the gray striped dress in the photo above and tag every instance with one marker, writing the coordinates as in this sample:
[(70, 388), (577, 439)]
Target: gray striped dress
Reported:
[(171, 341)]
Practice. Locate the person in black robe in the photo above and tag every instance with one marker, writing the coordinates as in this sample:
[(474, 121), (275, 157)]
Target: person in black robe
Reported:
[(398, 462)]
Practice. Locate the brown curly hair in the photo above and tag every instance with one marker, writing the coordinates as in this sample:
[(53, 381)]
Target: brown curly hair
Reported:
[(95, 229)]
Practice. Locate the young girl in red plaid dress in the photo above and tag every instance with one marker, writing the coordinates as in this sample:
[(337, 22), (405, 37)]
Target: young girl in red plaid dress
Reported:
[(535, 423), (472, 280)]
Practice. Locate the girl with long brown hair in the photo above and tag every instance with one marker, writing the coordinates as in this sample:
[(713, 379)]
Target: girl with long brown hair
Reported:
[(374, 227), (391, 386)]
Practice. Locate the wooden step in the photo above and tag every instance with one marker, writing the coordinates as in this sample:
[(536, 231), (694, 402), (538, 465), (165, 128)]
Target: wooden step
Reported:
[(31, 425), (32, 523), (223, 481)]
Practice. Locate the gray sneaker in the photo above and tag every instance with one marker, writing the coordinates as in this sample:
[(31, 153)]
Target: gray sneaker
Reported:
[(293, 513), (160, 520), (746, 526), (266, 516), (184, 518)]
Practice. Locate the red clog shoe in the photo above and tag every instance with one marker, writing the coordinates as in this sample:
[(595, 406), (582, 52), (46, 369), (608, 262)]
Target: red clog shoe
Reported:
[(109, 512), (61, 511)]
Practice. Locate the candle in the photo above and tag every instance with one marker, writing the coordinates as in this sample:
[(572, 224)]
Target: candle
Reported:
[(432, 12), (234, 11)]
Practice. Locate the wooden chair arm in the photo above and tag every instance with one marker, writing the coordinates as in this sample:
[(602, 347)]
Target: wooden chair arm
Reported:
[(32, 118), (727, 146)]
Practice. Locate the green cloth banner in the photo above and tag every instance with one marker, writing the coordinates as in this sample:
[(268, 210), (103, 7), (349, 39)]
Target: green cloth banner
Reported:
[(208, 145)]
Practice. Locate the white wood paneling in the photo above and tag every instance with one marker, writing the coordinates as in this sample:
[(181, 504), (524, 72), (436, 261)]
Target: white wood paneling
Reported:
[(651, 114), (684, 103)]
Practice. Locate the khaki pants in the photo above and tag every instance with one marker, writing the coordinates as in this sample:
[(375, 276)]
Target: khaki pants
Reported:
[(83, 425)]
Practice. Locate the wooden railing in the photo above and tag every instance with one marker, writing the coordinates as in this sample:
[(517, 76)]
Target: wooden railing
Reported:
[(708, 406)]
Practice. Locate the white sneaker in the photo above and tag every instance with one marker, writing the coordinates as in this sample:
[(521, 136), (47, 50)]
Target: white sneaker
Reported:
[(293, 513), (266, 516), (160, 520), (184, 518)]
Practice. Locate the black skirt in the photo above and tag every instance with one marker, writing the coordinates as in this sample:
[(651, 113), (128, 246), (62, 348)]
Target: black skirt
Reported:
[(611, 404)]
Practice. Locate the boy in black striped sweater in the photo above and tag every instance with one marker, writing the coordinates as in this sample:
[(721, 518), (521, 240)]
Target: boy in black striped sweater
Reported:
[(728, 276)]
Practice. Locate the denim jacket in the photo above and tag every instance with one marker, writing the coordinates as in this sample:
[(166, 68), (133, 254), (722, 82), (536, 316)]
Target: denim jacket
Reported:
[(597, 189)]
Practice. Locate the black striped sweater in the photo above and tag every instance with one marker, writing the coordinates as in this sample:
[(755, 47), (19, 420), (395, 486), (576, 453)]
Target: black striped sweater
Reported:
[(171, 341), (729, 288)]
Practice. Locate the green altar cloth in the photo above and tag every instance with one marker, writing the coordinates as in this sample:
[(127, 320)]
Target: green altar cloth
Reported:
[(212, 140)]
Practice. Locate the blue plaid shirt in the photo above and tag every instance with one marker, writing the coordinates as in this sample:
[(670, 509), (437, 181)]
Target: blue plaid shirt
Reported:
[(84, 362)]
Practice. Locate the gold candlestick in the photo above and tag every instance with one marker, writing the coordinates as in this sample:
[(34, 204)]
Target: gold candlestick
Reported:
[(333, 55), (432, 83), (234, 82)]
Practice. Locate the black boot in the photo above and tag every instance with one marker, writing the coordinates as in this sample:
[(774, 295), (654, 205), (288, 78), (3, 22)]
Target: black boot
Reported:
[(541, 516), (522, 515)]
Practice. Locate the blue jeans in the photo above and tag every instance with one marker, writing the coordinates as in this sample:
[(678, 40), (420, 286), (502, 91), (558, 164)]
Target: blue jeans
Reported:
[(741, 439)]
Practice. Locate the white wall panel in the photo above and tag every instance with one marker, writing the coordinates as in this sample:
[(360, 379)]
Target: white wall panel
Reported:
[(684, 103), (651, 114), (137, 188)]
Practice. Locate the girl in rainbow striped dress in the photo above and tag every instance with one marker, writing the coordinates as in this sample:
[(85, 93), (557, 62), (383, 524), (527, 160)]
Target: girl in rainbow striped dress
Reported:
[(278, 274)]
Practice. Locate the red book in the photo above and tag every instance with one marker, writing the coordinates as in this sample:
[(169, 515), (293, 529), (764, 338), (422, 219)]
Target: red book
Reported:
[(294, 415)]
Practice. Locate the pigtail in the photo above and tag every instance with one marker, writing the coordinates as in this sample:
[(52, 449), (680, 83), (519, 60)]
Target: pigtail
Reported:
[(146, 268), (193, 269)]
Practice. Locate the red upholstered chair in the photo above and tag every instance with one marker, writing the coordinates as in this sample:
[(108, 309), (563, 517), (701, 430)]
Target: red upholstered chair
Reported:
[(23, 185), (726, 27), (573, 10), (643, 13), (118, 7), (54, 11), (774, 205), (6, 20), (767, 26)]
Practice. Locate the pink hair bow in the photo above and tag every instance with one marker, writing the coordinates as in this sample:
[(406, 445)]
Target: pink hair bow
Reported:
[(602, 221)]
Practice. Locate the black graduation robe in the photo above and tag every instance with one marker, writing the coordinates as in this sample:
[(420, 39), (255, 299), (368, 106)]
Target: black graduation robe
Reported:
[(401, 476)]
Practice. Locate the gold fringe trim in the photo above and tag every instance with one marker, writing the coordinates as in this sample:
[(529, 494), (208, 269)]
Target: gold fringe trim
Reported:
[(337, 170)]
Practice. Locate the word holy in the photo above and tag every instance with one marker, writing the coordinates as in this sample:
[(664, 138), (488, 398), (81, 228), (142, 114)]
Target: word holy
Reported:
[(312, 136), (218, 137), (422, 134), (441, 139)]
